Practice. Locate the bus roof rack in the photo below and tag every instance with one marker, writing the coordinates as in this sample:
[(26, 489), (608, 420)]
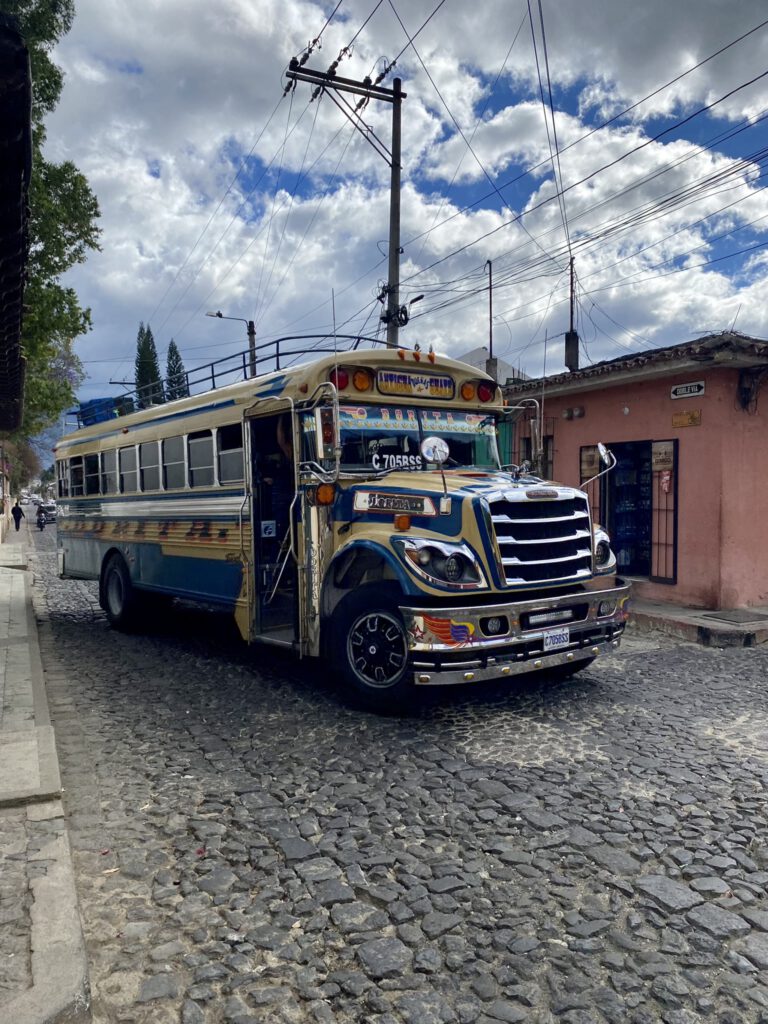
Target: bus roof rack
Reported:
[(217, 374)]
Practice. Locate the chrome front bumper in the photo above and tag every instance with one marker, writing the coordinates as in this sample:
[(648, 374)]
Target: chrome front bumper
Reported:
[(458, 645)]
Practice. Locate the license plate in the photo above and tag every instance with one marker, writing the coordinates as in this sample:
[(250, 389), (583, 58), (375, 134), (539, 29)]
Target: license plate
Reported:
[(555, 638)]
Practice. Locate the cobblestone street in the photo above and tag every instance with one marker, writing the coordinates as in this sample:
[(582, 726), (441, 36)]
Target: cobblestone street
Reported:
[(248, 848)]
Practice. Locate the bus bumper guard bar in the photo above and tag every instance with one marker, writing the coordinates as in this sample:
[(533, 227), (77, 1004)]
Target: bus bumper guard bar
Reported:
[(460, 645)]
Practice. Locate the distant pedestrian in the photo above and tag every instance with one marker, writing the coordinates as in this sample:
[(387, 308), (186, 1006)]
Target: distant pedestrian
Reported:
[(18, 514)]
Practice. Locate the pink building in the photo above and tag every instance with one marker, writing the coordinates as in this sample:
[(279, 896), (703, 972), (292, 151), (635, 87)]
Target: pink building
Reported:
[(687, 504)]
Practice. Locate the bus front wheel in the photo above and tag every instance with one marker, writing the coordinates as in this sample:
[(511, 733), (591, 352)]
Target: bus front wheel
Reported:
[(118, 595), (369, 644)]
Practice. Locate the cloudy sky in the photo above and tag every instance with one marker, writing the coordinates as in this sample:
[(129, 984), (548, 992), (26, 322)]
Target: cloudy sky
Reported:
[(220, 191)]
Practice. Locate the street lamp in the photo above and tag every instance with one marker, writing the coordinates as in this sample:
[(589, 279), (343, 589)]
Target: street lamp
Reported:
[(251, 329)]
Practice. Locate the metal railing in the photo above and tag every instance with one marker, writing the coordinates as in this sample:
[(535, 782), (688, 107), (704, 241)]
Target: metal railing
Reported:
[(217, 374)]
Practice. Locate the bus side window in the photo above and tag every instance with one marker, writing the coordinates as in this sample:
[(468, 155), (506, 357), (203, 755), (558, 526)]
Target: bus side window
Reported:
[(149, 466), (92, 474), (200, 451), (128, 474), (229, 441), (76, 475), (109, 472), (62, 467), (173, 463)]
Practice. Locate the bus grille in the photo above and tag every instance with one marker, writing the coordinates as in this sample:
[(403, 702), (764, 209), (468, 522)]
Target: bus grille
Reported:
[(543, 541)]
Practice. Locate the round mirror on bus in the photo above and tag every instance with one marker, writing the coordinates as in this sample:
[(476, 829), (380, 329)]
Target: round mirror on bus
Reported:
[(434, 449), (603, 453)]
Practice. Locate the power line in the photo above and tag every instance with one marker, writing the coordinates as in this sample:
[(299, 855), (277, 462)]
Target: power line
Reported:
[(604, 124), (556, 169), (593, 174)]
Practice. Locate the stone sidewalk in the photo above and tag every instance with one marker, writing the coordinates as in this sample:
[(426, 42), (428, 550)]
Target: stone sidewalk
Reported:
[(43, 969)]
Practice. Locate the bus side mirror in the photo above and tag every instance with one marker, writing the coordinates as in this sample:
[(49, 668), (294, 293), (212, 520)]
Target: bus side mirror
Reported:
[(434, 449)]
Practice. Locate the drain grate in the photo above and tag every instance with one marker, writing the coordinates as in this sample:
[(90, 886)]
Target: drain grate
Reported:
[(738, 615)]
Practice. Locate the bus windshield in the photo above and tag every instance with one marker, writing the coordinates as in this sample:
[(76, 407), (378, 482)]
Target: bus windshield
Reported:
[(378, 438)]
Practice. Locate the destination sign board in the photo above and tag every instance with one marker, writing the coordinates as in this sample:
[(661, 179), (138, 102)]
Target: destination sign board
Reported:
[(415, 385)]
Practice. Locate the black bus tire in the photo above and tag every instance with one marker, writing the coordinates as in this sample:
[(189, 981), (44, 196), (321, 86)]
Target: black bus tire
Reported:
[(369, 646), (118, 594)]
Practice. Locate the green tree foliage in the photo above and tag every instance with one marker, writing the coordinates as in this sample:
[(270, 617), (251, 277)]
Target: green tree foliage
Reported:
[(149, 383), (62, 229), (22, 461), (175, 378)]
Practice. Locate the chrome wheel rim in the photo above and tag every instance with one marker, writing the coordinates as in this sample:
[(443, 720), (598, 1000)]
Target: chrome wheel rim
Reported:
[(377, 649)]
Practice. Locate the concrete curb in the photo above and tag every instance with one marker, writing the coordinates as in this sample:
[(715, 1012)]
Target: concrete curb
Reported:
[(60, 992), (693, 626)]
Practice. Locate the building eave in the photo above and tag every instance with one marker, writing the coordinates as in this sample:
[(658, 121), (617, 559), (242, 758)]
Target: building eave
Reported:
[(725, 350)]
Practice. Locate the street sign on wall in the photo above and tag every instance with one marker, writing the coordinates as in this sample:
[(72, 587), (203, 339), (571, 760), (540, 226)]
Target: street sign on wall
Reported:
[(691, 390)]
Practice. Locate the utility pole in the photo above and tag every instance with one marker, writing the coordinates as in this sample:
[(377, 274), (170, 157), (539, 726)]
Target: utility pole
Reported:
[(251, 329), (393, 290), (571, 337), (395, 314), (491, 364)]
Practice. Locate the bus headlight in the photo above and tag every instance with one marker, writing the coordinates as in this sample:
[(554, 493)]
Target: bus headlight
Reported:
[(453, 568), (447, 564), (604, 558)]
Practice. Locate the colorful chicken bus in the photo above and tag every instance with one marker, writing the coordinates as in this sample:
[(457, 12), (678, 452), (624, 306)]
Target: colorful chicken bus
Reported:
[(352, 507)]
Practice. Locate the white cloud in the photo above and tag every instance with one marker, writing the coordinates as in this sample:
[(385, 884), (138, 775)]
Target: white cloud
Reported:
[(163, 101)]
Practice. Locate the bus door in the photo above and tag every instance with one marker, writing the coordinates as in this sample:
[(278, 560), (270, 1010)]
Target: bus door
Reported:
[(274, 509)]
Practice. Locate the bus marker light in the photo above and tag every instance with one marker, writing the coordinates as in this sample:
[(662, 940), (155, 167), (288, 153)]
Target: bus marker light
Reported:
[(467, 391), (402, 523), (401, 353), (325, 494), (362, 380), (303, 388), (339, 378)]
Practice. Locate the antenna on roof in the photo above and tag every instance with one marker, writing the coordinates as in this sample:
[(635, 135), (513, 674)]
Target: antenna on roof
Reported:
[(333, 311), (733, 325)]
